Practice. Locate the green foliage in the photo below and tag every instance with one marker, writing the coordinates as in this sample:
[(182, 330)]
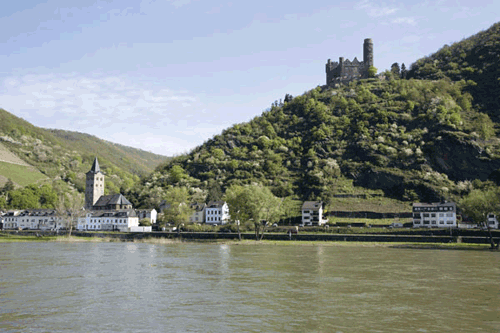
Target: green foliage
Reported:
[(425, 137), (473, 60), (56, 154), (178, 200), (32, 196), (255, 203), (372, 71), (146, 222)]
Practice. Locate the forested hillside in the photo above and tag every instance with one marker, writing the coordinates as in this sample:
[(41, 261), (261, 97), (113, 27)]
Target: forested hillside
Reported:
[(60, 159), (475, 60), (428, 137)]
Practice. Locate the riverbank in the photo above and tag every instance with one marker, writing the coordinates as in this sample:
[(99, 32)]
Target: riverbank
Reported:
[(13, 238)]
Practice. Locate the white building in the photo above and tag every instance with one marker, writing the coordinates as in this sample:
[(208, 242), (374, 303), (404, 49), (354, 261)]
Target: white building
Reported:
[(198, 215), (150, 214), (312, 213), (113, 220), (434, 215), (217, 212), (492, 221), (34, 219)]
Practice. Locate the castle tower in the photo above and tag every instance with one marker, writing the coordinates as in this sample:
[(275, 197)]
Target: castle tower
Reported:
[(94, 186), (367, 55)]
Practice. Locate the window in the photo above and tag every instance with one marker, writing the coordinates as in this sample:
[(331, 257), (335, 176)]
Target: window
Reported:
[(433, 214), (433, 222), (426, 214)]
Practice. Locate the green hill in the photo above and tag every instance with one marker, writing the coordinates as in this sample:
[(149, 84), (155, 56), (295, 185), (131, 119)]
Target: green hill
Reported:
[(475, 60), (395, 140), (31, 154)]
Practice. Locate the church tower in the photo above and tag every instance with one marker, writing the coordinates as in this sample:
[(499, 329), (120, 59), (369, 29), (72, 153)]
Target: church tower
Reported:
[(94, 186)]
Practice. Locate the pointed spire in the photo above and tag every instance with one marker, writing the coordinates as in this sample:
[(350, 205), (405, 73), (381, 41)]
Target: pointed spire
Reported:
[(95, 167)]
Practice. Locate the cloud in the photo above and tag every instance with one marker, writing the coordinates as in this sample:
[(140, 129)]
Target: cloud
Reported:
[(374, 10), (103, 106), (404, 20)]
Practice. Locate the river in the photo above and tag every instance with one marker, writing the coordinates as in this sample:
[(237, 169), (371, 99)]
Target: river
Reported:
[(192, 287)]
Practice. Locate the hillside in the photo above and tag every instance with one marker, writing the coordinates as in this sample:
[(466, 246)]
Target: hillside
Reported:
[(426, 138), (474, 60), (32, 154)]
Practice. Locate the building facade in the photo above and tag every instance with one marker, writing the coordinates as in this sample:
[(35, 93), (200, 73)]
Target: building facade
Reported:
[(198, 215), (217, 213), (434, 215), (150, 214), (122, 220), (35, 219), (312, 213), (492, 221)]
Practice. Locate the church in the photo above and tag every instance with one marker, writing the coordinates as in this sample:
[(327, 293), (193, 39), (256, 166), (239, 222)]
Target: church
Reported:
[(105, 212)]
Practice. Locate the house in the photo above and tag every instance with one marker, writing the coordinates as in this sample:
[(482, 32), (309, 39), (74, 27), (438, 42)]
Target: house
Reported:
[(492, 221), (150, 214), (312, 213), (217, 212), (198, 215), (10, 219), (110, 220), (434, 215), (37, 219)]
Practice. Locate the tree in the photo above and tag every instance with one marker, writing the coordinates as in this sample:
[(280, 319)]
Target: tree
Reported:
[(255, 203), (69, 208), (9, 186), (214, 191), (178, 210), (146, 222), (404, 72), (478, 204), (372, 71), (396, 70)]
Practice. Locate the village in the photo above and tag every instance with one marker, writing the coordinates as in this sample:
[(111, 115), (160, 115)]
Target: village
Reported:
[(116, 213)]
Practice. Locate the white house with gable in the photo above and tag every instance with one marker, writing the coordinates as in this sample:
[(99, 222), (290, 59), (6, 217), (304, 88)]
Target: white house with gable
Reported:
[(216, 213), (312, 213)]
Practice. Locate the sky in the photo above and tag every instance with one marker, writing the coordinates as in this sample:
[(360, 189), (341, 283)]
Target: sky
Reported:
[(167, 75)]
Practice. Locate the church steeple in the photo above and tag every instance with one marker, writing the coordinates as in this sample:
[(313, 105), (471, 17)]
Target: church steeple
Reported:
[(94, 187), (95, 166)]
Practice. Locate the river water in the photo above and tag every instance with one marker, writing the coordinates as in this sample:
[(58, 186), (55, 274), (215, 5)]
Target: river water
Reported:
[(190, 287)]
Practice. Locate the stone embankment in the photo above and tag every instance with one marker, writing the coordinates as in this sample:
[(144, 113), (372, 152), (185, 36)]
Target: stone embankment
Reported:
[(389, 238)]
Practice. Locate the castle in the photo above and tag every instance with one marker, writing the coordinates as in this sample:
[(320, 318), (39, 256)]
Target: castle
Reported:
[(346, 70)]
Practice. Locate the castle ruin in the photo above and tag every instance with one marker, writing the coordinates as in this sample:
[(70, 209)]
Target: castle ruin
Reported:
[(345, 70)]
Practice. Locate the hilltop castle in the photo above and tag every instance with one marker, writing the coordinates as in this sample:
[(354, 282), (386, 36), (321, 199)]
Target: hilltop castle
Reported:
[(346, 70)]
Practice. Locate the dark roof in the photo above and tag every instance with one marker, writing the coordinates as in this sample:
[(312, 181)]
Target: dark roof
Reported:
[(38, 212), (114, 199), (95, 167), (215, 204), (314, 205), (114, 213), (198, 206), (433, 204)]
